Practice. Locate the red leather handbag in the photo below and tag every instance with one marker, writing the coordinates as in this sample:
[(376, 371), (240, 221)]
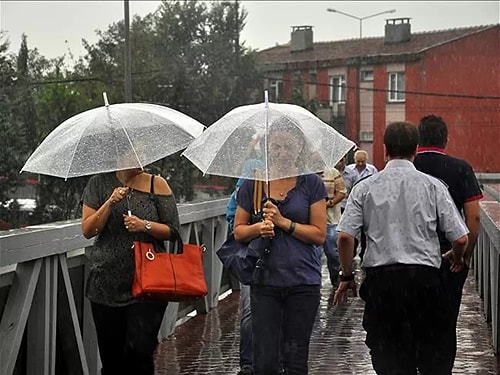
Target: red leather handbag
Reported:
[(169, 276)]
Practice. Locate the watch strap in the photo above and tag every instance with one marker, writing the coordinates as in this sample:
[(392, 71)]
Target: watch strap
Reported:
[(349, 277)]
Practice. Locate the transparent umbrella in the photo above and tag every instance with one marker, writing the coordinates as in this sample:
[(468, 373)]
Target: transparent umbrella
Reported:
[(111, 138), (237, 145)]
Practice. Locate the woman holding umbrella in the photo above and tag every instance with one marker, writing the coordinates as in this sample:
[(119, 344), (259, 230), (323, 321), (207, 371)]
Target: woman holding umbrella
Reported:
[(285, 299), (118, 208)]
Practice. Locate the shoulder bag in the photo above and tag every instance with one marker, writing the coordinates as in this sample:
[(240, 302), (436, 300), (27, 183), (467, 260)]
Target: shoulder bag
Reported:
[(168, 276), (246, 260)]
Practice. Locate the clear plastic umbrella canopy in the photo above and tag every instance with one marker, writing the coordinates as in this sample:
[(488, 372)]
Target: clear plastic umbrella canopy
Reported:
[(113, 137), (237, 145)]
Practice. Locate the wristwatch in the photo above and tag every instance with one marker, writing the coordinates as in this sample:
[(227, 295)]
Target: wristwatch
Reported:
[(343, 277), (147, 225)]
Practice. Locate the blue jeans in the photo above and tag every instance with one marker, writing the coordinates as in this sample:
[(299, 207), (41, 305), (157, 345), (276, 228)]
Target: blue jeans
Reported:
[(246, 353), (332, 252), (282, 324)]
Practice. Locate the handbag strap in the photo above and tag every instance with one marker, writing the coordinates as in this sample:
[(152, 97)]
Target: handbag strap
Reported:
[(152, 194), (175, 236), (176, 240), (152, 187)]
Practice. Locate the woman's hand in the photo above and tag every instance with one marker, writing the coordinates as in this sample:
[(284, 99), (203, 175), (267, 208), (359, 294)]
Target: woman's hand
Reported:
[(93, 221), (133, 224), (118, 194), (272, 213), (266, 229)]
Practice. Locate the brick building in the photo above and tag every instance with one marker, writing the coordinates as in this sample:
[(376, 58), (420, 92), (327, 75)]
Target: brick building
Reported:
[(360, 85)]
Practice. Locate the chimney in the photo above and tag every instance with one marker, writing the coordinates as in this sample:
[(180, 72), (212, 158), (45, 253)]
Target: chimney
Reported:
[(302, 38), (397, 30)]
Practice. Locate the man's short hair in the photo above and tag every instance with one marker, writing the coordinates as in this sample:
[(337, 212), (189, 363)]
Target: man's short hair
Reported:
[(401, 139), (433, 131), (360, 151)]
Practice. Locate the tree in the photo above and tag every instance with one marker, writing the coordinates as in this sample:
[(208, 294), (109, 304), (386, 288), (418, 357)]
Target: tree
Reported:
[(12, 137), (23, 104), (297, 96), (186, 55)]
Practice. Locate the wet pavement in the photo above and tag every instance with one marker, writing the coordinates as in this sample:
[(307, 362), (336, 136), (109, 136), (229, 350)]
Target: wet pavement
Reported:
[(208, 344)]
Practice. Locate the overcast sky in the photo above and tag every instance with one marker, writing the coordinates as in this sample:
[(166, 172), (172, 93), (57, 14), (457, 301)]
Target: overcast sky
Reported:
[(56, 26)]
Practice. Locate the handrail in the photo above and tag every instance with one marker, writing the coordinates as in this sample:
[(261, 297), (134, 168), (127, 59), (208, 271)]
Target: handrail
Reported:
[(42, 273), (486, 261)]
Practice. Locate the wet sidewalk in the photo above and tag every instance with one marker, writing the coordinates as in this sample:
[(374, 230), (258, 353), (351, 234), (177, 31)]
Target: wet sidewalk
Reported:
[(208, 344)]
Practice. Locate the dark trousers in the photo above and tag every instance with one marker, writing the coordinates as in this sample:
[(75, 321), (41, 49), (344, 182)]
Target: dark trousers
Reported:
[(127, 337), (282, 324), (453, 283), (406, 319), (246, 350)]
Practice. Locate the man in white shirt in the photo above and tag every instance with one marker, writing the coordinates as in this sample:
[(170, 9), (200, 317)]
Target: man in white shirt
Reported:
[(406, 315), (352, 174)]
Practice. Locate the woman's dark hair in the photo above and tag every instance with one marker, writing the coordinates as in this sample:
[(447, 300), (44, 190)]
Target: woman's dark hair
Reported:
[(433, 131), (401, 139)]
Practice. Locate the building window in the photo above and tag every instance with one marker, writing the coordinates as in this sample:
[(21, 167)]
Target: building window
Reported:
[(313, 78), (396, 87), (275, 90), (366, 136), (367, 75), (337, 89)]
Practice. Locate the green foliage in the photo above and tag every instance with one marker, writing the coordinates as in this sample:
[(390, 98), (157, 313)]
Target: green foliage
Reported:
[(297, 96), (12, 137), (23, 104), (187, 55)]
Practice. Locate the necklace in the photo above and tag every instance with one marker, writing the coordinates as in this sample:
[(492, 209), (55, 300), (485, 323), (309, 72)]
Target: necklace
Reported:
[(281, 188)]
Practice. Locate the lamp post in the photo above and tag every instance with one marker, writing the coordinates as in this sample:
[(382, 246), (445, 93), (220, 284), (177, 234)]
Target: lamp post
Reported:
[(128, 55), (360, 19)]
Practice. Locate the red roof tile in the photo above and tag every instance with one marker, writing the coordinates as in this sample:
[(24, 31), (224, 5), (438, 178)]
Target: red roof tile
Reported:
[(365, 47)]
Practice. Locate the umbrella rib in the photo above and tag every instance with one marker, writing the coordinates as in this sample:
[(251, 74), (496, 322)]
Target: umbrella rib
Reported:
[(127, 135), (83, 128), (224, 140)]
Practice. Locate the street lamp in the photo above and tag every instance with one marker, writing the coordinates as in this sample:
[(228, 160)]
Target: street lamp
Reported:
[(360, 19)]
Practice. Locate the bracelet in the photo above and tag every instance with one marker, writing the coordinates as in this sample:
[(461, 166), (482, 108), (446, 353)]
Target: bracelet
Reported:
[(291, 228)]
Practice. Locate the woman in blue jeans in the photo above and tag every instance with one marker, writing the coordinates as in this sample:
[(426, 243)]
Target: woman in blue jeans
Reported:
[(285, 299)]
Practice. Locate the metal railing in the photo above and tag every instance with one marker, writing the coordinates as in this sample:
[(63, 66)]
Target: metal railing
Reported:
[(45, 318), (46, 325), (487, 260)]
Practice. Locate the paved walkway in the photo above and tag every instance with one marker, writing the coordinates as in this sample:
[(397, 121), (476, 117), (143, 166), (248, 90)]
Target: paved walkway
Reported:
[(208, 344)]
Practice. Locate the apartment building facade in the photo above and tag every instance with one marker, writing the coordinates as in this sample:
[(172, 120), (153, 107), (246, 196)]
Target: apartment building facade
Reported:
[(361, 85)]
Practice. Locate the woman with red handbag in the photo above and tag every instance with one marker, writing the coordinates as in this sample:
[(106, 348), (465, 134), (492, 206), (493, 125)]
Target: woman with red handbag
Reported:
[(118, 208)]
